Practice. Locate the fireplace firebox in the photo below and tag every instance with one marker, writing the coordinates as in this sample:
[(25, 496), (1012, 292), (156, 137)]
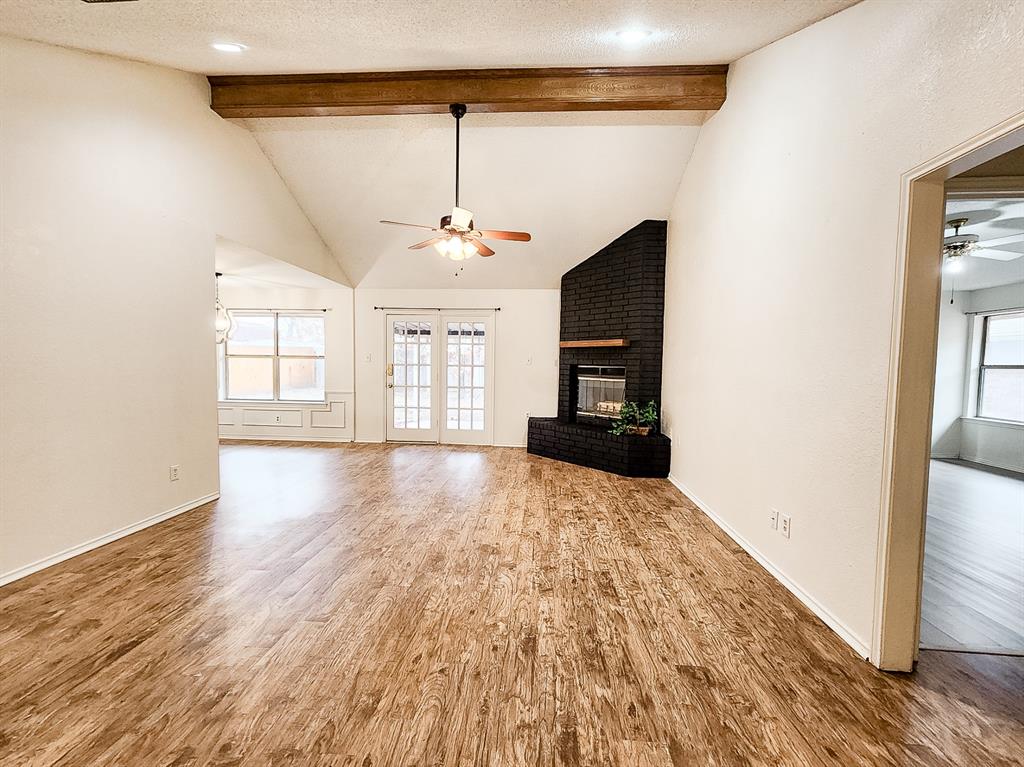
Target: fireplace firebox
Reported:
[(600, 391)]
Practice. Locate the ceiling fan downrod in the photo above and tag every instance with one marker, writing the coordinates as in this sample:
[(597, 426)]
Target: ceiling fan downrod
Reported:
[(458, 112)]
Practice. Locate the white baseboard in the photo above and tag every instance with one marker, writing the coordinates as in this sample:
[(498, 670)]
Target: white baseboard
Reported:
[(502, 444), (95, 543), (861, 647), (279, 438)]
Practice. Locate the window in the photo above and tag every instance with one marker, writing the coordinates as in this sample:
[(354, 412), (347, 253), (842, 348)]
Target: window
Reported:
[(1001, 380), (274, 356)]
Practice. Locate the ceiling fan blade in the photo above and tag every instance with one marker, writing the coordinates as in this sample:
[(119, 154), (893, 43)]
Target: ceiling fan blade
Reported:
[(482, 249), (414, 226), (425, 243), (995, 242), (995, 254), (498, 234)]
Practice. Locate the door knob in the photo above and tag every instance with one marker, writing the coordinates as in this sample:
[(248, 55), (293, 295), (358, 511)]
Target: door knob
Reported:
[(391, 369)]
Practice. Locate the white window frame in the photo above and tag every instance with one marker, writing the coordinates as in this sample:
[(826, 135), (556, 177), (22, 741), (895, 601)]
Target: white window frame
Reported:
[(275, 358), (982, 367)]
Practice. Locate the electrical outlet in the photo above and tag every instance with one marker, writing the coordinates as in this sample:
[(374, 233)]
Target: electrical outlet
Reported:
[(175, 472), (774, 519), (785, 525)]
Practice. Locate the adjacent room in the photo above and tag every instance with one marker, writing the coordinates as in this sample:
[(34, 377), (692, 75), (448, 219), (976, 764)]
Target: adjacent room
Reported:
[(593, 383), (973, 599)]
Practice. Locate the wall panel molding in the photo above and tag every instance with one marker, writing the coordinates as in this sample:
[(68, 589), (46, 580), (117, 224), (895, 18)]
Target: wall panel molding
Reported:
[(289, 421)]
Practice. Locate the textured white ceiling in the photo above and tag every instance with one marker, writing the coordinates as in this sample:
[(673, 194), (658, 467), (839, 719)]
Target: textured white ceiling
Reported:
[(353, 35), (989, 219), (575, 181)]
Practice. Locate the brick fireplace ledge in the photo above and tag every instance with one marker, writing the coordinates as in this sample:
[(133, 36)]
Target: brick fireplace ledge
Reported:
[(629, 455)]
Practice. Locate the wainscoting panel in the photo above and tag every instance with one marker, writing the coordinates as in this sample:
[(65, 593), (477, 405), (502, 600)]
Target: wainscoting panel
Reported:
[(316, 422), (254, 417)]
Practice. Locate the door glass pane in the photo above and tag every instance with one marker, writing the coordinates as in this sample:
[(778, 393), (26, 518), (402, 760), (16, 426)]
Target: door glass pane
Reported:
[(465, 358), (1002, 394), (1004, 339), (250, 378), (254, 334), (301, 335), (411, 357), (301, 379)]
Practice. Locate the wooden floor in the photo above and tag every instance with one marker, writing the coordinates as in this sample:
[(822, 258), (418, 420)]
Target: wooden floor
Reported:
[(381, 605), (973, 596)]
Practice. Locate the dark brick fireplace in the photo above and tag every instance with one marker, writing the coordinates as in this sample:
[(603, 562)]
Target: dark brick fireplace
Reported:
[(616, 295)]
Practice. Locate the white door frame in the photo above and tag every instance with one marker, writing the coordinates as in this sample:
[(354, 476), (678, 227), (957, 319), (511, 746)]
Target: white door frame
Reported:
[(438, 387), (900, 559)]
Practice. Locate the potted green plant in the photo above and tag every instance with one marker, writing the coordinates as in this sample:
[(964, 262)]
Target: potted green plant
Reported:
[(634, 419)]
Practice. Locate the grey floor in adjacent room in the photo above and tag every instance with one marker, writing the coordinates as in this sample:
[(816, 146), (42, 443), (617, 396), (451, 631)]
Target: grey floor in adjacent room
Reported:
[(974, 560)]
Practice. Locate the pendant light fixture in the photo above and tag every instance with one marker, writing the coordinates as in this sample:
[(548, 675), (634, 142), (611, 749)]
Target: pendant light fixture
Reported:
[(223, 322)]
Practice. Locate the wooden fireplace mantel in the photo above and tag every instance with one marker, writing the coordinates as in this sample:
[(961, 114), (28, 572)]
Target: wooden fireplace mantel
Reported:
[(608, 342)]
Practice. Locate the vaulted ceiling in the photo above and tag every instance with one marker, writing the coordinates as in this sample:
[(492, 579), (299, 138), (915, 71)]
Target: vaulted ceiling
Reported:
[(574, 180), (357, 35)]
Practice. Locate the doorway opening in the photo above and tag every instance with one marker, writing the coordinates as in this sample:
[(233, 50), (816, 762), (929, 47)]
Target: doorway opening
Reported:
[(973, 574), (439, 377), (919, 292)]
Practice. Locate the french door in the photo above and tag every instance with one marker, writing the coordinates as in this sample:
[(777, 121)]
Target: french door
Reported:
[(439, 382)]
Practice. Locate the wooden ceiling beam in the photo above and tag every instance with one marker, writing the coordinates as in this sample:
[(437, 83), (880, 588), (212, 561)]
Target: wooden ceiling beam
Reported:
[(483, 90)]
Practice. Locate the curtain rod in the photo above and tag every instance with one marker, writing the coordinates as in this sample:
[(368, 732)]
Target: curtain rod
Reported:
[(264, 309), (441, 308)]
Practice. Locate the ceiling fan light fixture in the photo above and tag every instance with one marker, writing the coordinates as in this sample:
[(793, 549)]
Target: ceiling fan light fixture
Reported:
[(954, 264), (959, 245), (456, 248)]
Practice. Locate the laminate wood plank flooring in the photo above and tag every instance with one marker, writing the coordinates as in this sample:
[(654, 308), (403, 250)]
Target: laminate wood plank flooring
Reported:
[(380, 605), (973, 595)]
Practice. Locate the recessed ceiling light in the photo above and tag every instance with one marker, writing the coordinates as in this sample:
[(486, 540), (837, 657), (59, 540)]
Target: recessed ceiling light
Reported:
[(228, 47), (632, 35)]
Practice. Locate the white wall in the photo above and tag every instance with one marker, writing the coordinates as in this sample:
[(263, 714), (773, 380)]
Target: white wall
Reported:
[(950, 376), (116, 179), (526, 354), (330, 422), (780, 279), (996, 299), (993, 443)]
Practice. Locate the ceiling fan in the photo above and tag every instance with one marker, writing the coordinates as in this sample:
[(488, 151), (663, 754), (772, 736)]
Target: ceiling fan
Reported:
[(954, 248), (457, 237)]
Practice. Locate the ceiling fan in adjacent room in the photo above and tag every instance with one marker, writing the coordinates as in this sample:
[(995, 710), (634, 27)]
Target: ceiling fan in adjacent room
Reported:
[(457, 237), (957, 246)]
